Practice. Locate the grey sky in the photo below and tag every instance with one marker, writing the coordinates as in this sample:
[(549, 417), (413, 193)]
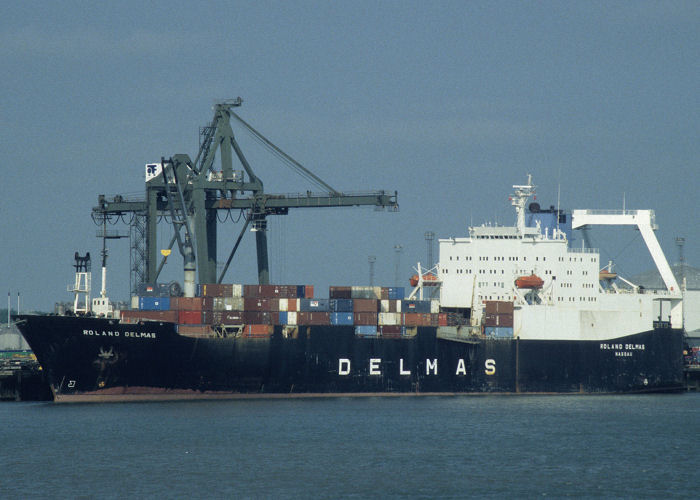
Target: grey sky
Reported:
[(450, 103)]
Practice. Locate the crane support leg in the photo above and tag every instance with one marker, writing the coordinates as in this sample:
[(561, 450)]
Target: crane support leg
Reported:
[(205, 231), (263, 269), (151, 235)]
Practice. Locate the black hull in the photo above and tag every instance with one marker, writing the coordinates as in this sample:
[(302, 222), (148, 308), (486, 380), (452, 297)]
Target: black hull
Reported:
[(100, 359)]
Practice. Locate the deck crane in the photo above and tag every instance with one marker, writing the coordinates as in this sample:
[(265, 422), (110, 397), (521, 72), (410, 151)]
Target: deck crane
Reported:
[(191, 193)]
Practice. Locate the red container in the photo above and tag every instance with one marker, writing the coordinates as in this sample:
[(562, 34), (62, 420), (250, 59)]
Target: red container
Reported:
[(207, 303), (216, 290), (313, 318), (365, 305), (136, 316), (365, 318), (257, 317), (224, 317), (276, 291), (257, 331), (419, 319), (194, 330), (189, 317), (390, 329), (498, 307), (251, 291), (308, 291), (261, 304), (186, 303), (410, 319), (505, 319), (268, 291), (502, 319), (442, 319)]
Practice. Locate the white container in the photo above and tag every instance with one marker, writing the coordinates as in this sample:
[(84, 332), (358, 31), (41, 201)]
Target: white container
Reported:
[(386, 318)]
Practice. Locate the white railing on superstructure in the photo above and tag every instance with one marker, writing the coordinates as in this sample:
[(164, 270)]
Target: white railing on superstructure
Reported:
[(582, 250)]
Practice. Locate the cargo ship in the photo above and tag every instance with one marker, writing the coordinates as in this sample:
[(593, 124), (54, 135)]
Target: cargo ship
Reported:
[(507, 310)]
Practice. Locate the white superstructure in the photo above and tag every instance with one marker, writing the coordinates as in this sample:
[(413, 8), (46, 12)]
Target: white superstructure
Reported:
[(572, 303)]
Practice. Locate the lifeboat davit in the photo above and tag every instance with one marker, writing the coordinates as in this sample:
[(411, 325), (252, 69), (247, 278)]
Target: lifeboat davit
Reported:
[(531, 282), (428, 280)]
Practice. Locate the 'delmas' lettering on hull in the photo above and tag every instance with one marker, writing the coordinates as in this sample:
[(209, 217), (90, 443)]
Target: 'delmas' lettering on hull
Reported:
[(431, 367)]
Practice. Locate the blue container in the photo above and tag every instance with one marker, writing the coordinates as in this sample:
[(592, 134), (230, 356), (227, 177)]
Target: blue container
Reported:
[(342, 318), (283, 317), (366, 330), (341, 305), (301, 291), (308, 305), (501, 332), (415, 306), (396, 293), (154, 303)]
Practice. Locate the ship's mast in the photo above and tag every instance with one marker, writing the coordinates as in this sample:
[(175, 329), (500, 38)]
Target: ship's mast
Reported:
[(81, 286), (519, 199)]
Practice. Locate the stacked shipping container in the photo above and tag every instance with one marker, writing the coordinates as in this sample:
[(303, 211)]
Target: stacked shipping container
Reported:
[(374, 311), (498, 319)]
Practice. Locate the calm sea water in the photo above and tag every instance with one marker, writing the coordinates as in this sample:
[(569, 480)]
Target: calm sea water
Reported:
[(451, 447)]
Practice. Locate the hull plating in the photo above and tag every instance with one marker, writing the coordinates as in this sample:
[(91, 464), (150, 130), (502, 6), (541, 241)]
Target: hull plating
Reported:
[(99, 359)]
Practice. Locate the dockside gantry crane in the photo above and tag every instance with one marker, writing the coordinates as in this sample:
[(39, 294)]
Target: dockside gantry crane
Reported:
[(190, 193)]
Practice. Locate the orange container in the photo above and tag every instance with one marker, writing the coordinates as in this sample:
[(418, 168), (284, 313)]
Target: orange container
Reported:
[(258, 331)]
